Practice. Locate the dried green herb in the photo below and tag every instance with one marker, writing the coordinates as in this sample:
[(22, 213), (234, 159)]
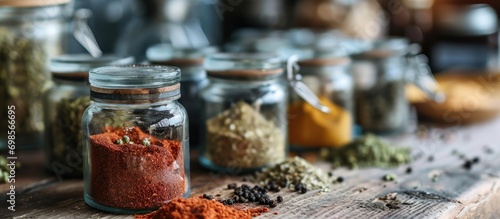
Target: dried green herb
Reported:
[(242, 137), (368, 151), (24, 77), (66, 130), (295, 171)]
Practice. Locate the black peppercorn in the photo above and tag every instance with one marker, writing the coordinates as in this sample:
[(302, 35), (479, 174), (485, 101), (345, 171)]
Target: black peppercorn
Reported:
[(409, 170), (283, 184), (467, 165), (231, 186), (298, 187), (273, 204), (340, 179), (475, 160), (279, 199), (209, 197), (303, 190)]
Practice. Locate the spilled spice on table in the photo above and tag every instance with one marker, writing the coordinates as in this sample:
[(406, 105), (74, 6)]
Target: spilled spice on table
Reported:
[(132, 175), (196, 207), (368, 151), (309, 127), (296, 174)]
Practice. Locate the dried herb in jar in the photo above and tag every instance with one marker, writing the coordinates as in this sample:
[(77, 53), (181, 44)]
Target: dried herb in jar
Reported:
[(24, 78), (66, 133), (368, 151), (383, 108), (242, 137), (295, 172)]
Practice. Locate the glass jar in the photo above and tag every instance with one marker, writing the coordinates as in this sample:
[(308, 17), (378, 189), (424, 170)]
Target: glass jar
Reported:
[(31, 32), (193, 79), (380, 80), (135, 139), (64, 106), (330, 80), (244, 113)]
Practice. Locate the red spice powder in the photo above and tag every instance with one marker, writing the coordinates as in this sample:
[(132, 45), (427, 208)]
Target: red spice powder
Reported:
[(197, 207), (133, 176)]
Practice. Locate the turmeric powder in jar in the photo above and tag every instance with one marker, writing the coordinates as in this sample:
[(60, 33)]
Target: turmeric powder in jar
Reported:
[(310, 128)]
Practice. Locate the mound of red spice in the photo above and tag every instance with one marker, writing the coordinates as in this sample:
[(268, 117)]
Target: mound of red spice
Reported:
[(134, 176), (197, 207)]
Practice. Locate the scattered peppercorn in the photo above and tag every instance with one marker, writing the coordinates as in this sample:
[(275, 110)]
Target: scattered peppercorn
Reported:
[(273, 204), (430, 158), (209, 197), (279, 199), (409, 170), (340, 179), (231, 186), (475, 160), (467, 165), (303, 190), (298, 187)]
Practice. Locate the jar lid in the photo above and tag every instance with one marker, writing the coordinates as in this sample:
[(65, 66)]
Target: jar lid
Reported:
[(246, 66), (31, 3), (166, 54), (387, 48), (135, 84), (78, 65), (333, 61), (134, 76)]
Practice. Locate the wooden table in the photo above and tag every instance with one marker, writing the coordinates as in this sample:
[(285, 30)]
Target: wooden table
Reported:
[(456, 193)]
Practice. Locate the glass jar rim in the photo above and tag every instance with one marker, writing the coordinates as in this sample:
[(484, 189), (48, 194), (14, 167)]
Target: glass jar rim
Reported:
[(246, 66), (31, 3), (134, 76), (79, 65)]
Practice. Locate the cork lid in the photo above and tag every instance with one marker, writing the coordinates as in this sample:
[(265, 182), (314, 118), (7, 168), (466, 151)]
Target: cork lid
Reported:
[(244, 66), (31, 3)]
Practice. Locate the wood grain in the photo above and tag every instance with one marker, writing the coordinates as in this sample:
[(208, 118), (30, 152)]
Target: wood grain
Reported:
[(458, 192)]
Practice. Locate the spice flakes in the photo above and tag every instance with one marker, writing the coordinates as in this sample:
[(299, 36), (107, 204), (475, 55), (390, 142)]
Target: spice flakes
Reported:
[(242, 137), (294, 172)]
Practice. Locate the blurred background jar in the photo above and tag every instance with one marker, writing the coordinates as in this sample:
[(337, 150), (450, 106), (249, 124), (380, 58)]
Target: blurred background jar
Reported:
[(31, 32), (329, 78), (173, 22), (381, 75), (193, 79), (64, 106), (244, 112)]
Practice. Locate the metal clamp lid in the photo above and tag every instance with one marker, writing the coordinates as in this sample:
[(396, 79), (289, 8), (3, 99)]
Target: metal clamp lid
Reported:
[(300, 88)]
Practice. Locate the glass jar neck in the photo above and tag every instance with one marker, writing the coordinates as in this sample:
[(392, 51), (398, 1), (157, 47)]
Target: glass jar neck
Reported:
[(322, 70)]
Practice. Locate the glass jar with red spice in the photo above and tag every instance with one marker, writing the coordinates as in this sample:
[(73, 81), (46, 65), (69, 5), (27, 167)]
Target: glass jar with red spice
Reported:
[(135, 139)]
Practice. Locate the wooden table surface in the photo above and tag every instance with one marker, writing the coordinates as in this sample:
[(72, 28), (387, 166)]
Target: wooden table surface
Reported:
[(457, 192)]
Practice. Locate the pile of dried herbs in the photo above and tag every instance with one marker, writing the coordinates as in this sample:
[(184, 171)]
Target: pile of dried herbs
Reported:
[(24, 78), (295, 171), (368, 151), (242, 137)]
